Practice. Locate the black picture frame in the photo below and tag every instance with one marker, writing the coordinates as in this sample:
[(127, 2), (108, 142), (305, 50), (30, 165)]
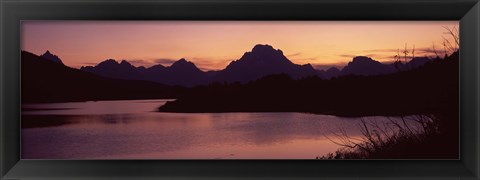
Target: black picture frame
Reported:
[(12, 12)]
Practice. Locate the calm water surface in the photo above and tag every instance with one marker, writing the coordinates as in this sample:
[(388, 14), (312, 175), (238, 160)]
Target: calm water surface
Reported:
[(133, 130)]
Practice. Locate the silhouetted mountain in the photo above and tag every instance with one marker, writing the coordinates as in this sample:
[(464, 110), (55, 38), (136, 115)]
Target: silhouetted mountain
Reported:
[(157, 67), (418, 62), (154, 73), (182, 73), (366, 66), (112, 69), (263, 60), (49, 56), (183, 65), (47, 81), (329, 73)]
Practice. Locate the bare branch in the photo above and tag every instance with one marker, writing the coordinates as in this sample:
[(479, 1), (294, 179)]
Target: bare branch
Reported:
[(434, 50)]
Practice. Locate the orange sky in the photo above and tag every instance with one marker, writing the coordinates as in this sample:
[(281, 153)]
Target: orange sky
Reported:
[(213, 44)]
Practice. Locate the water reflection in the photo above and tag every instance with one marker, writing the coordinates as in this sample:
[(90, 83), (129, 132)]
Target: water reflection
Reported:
[(93, 107), (131, 130)]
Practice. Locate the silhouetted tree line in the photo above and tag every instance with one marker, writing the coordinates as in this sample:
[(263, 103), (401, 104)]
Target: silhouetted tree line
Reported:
[(432, 88)]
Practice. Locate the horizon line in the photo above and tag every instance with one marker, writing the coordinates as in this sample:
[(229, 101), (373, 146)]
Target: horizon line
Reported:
[(326, 66)]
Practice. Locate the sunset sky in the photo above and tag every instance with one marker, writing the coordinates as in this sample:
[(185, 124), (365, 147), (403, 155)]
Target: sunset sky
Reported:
[(211, 45)]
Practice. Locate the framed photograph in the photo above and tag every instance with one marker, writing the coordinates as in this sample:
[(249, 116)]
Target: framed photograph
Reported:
[(230, 89)]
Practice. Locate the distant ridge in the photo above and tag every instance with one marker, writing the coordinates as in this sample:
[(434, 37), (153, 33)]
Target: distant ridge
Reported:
[(112, 69), (362, 65), (49, 56), (46, 81), (181, 72), (366, 66), (263, 60)]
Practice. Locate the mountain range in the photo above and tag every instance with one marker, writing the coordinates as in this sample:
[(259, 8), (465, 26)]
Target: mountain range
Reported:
[(47, 79), (261, 61)]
